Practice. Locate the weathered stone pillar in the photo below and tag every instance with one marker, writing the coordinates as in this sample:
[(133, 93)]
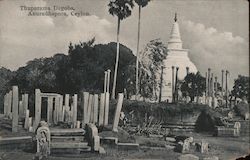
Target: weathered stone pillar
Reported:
[(187, 70), (9, 109), (50, 110), (5, 108), (222, 82), (176, 84), (226, 93), (105, 81), (57, 106), (26, 121), (15, 109), (20, 109), (161, 81), (30, 128), (95, 109), (74, 110), (117, 112), (106, 110), (101, 112), (85, 100), (38, 101), (25, 103), (212, 85), (173, 87), (108, 80), (209, 92), (66, 100), (89, 107), (60, 118), (216, 85)]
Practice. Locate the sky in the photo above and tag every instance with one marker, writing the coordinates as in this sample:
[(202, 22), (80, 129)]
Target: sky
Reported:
[(216, 32)]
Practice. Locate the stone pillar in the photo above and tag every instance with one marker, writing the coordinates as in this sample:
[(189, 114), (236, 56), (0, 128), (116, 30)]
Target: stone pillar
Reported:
[(38, 102), (106, 110), (176, 84), (222, 82), (26, 121), (105, 81), (173, 87), (206, 86), (226, 93), (60, 118), (63, 114), (209, 92), (50, 110), (20, 109), (187, 70), (85, 100), (15, 109), (117, 112), (25, 103), (30, 128), (161, 83), (57, 106), (89, 107), (95, 109), (66, 100), (212, 85), (74, 110), (101, 112), (5, 108), (9, 109), (108, 80), (216, 85)]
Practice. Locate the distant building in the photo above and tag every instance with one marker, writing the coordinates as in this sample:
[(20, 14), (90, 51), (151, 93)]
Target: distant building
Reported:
[(177, 57)]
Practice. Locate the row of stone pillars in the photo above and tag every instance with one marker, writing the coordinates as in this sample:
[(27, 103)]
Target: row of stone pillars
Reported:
[(212, 87)]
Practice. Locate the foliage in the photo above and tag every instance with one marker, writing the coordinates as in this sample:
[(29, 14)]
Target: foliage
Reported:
[(241, 87), (241, 109), (142, 3), (121, 8), (193, 85), (151, 60)]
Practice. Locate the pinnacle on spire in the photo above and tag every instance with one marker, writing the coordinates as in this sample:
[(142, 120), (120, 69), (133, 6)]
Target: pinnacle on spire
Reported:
[(175, 17)]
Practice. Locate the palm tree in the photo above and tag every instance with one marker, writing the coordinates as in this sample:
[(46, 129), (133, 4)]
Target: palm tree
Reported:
[(141, 4), (121, 9)]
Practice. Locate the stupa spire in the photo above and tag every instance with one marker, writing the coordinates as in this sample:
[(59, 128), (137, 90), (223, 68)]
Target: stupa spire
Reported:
[(175, 37)]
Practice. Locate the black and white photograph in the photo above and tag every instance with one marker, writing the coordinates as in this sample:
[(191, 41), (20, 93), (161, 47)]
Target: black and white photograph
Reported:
[(124, 80)]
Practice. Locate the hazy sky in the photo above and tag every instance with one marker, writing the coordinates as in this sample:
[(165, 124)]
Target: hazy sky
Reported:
[(215, 31)]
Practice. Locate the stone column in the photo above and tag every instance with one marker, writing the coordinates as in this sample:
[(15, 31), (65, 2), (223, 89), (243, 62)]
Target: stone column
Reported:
[(74, 110), (66, 100), (5, 108), (9, 109), (161, 83), (226, 93), (101, 112), (85, 100), (117, 112), (20, 109), (26, 121), (209, 92), (187, 70), (15, 109), (222, 82), (105, 81), (57, 106), (89, 108), (173, 87), (106, 110), (38, 102), (176, 84), (95, 109), (25, 103), (50, 110), (60, 111), (108, 80), (206, 86), (216, 84), (212, 85)]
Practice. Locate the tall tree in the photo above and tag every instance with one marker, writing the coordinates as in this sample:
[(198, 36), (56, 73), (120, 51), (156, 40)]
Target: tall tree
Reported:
[(141, 4), (241, 87), (121, 9), (193, 85)]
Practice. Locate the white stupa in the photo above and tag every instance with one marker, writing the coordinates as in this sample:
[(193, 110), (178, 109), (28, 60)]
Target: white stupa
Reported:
[(177, 57)]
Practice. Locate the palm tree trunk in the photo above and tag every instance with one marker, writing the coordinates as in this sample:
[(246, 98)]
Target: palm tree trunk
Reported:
[(137, 54), (117, 60)]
